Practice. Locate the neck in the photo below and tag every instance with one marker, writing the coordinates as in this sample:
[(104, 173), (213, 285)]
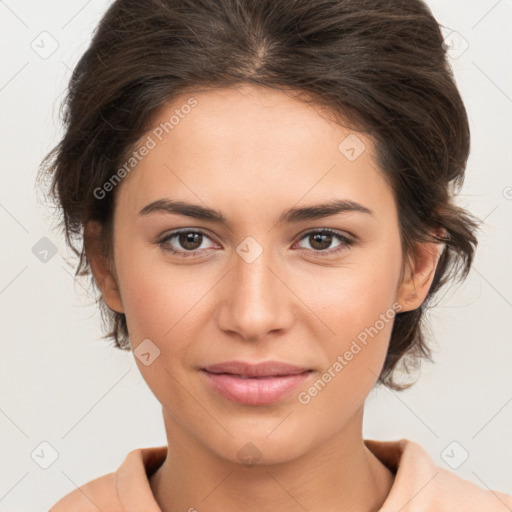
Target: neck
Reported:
[(340, 475)]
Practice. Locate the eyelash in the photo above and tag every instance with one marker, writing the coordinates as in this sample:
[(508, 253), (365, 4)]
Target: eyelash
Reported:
[(345, 245)]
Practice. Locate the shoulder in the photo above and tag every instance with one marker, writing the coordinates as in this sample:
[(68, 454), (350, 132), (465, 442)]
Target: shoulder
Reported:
[(422, 486), (114, 492), (98, 494), (465, 495)]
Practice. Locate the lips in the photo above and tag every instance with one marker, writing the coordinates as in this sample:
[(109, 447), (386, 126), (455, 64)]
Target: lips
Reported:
[(255, 384), (266, 369)]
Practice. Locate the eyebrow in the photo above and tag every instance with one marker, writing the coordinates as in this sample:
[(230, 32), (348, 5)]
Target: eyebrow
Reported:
[(293, 215)]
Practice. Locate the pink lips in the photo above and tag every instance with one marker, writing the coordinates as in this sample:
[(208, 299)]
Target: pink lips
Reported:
[(255, 384)]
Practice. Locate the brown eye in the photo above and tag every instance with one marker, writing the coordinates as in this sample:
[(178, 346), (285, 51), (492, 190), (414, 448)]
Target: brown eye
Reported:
[(183, 242), (320, 241), (190, 240)]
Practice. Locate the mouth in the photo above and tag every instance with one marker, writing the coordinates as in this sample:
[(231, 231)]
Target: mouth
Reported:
[(255, 384)]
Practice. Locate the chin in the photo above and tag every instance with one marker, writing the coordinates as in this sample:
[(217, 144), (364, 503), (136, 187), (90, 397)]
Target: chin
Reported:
[(256, 447)]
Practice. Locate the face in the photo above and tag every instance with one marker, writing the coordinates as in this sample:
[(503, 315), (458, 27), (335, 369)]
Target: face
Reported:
[(266, 278)]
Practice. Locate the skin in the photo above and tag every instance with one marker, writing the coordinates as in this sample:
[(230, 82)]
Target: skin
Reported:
[(253, 153)]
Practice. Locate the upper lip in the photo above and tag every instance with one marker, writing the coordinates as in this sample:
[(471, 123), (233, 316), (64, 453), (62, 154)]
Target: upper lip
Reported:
[(264, 369)]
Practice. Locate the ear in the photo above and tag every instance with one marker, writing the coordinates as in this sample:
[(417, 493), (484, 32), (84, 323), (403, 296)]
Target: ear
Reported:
[(101, 267), (419, 273)]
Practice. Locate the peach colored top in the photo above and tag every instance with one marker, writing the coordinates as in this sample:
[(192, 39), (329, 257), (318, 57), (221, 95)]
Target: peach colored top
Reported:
[(419, 486)]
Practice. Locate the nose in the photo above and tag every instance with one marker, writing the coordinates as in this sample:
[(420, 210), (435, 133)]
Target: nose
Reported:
[(255, 299)]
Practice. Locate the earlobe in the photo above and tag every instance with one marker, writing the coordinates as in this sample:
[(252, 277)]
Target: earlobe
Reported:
[(419, 274), (101, 267)]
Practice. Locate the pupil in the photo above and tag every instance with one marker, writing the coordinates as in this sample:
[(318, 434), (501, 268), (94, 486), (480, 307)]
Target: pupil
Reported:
[(189, 240), (322, 237)]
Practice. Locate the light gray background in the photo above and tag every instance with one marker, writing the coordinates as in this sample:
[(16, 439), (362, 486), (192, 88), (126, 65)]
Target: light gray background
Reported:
[(61, 384)]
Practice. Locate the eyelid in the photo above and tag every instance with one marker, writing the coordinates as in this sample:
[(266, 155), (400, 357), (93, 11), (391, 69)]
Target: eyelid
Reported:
[(171, 234), (347, 241), (338, 232)]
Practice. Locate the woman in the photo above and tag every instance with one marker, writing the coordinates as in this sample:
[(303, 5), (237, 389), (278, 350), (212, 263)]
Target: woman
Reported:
[(264, 191)]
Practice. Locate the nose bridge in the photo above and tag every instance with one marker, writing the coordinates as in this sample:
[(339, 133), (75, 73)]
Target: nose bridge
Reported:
[(252, 273), (256, 301)]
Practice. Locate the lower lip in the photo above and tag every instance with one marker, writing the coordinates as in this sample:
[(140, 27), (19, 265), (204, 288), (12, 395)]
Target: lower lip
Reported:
[(255, 391)]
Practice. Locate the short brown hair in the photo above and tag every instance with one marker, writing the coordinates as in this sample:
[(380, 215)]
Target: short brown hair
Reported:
[(379, 63)]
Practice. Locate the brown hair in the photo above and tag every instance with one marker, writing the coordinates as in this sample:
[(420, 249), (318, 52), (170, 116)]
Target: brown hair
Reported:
[(379, 63)]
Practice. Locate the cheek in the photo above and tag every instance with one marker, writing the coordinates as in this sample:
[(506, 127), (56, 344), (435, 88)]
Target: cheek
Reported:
[(156, 304), (357, 304), (156, 297), (362, 316), (143, 306), (354, 297)]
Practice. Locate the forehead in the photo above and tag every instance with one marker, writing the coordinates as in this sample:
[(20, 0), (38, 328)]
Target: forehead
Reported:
[(239, 114), (252, 144)]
